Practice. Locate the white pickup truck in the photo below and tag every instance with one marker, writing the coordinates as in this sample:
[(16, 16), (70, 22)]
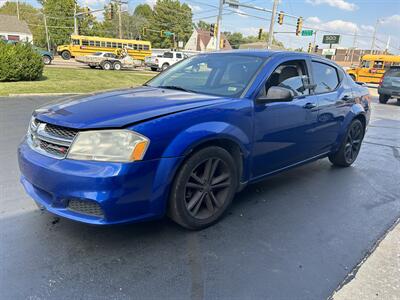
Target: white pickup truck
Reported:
[(162, 62)]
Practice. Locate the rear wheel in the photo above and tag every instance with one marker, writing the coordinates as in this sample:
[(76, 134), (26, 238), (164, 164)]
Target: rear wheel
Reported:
[(350, 147), (154, 69), (117, 66), (66, 55), (383, 99), (203, 188), (106, 65), (92, 66)]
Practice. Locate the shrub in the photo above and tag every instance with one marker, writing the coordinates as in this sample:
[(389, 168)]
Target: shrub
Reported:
[(19, 62)]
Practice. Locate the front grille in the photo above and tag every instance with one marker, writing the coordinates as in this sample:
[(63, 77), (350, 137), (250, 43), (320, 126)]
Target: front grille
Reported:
[(49, 139), (59, 131), (86, 207)]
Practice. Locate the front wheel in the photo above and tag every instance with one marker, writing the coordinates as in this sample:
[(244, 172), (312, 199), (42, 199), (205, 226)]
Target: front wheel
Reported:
[(350, 147), (383, 99), (203, 188), (154, 69)]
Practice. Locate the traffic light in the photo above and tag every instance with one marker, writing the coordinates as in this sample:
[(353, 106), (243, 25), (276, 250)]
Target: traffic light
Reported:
[(161, 33), (280, 18), (212, 29), (260, 33), (111, 12), (144, 30), (309, 48), (299, 25), (316, 49)]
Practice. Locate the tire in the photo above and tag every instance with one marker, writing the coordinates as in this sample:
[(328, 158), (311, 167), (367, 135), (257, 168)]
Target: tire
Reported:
[(383, 99), (106, 65), (154, 69), (165, 66), (117, 66), (198, 201), (66, 55), (92, 67), (46, 59), (350, 147), (353, 77)]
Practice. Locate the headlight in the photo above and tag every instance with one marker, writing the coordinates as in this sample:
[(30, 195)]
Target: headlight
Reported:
[(109, 145)]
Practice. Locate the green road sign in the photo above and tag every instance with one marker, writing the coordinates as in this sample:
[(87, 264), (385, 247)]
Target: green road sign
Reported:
[(168, 33), (331, 39), (308, 32)]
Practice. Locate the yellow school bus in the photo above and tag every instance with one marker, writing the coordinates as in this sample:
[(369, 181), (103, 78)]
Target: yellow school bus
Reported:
[(83, 45), (372, 67)]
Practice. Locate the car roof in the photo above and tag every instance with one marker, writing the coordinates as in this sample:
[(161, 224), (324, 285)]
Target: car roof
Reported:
[(271, 53)]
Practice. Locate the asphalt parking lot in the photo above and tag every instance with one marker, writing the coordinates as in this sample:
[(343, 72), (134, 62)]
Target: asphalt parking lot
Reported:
[(293, 236)]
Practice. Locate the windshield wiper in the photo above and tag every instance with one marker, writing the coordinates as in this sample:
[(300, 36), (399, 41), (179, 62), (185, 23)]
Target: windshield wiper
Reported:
[(174, 87)]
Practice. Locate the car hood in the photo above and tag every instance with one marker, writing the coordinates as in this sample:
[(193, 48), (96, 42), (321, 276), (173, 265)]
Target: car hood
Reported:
[(120, 108)]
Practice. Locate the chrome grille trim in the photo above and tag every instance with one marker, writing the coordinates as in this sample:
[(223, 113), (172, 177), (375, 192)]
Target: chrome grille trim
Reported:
[(50, 140)]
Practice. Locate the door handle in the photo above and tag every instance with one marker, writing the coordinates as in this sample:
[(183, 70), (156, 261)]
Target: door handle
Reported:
[(309, 105)]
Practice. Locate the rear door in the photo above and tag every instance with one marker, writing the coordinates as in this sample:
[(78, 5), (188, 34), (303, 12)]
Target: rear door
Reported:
[(335, 98)]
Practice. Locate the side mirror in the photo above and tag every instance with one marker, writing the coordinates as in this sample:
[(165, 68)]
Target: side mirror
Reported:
[(277, 94)]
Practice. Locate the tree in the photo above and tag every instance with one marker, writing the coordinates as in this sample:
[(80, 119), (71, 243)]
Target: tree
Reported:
[(170, 15), (203, 25), (143, 10), (60, 20), (32, 16), (235, 39)]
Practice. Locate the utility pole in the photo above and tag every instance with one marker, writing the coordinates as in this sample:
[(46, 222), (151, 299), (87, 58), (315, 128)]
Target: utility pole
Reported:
[(17, 9), (374, 35), (388, 45), (219, 22), (47, 33), (354, 46), (271, 25), (119, 19), (75, 21)]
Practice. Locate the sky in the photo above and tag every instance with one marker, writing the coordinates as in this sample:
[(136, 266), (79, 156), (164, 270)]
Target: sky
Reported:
[(344, 17)]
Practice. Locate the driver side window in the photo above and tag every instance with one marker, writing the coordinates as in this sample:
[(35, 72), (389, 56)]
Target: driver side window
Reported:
[(291, 75)]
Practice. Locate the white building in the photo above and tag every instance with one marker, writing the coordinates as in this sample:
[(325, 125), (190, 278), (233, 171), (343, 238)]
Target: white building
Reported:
[(13, 29)]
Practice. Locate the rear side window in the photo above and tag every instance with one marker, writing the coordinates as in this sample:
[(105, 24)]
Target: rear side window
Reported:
[(325, 77), (395, 72), (178, 55)]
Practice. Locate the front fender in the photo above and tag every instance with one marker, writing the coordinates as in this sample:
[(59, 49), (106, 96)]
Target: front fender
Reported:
[(198, 134), (202, 133)]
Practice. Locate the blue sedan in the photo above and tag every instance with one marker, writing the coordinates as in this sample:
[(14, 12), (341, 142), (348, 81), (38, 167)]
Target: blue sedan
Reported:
[(186, 141)]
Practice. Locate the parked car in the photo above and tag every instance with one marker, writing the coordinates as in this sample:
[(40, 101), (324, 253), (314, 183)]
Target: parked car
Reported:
[(47, 56), (162, 62), (106, 61), (389, 87), (186, 141)]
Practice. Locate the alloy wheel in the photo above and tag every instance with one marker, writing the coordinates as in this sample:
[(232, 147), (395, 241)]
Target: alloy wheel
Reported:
[(353, 142), (207, 188)]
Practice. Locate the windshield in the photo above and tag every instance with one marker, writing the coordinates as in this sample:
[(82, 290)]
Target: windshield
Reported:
[(215, 74)]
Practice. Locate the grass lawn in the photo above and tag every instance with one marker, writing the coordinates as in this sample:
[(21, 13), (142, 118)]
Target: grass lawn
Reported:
[(64, 80)]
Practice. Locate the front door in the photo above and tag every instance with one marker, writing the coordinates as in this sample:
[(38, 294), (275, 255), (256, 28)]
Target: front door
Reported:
[(283, 132)]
